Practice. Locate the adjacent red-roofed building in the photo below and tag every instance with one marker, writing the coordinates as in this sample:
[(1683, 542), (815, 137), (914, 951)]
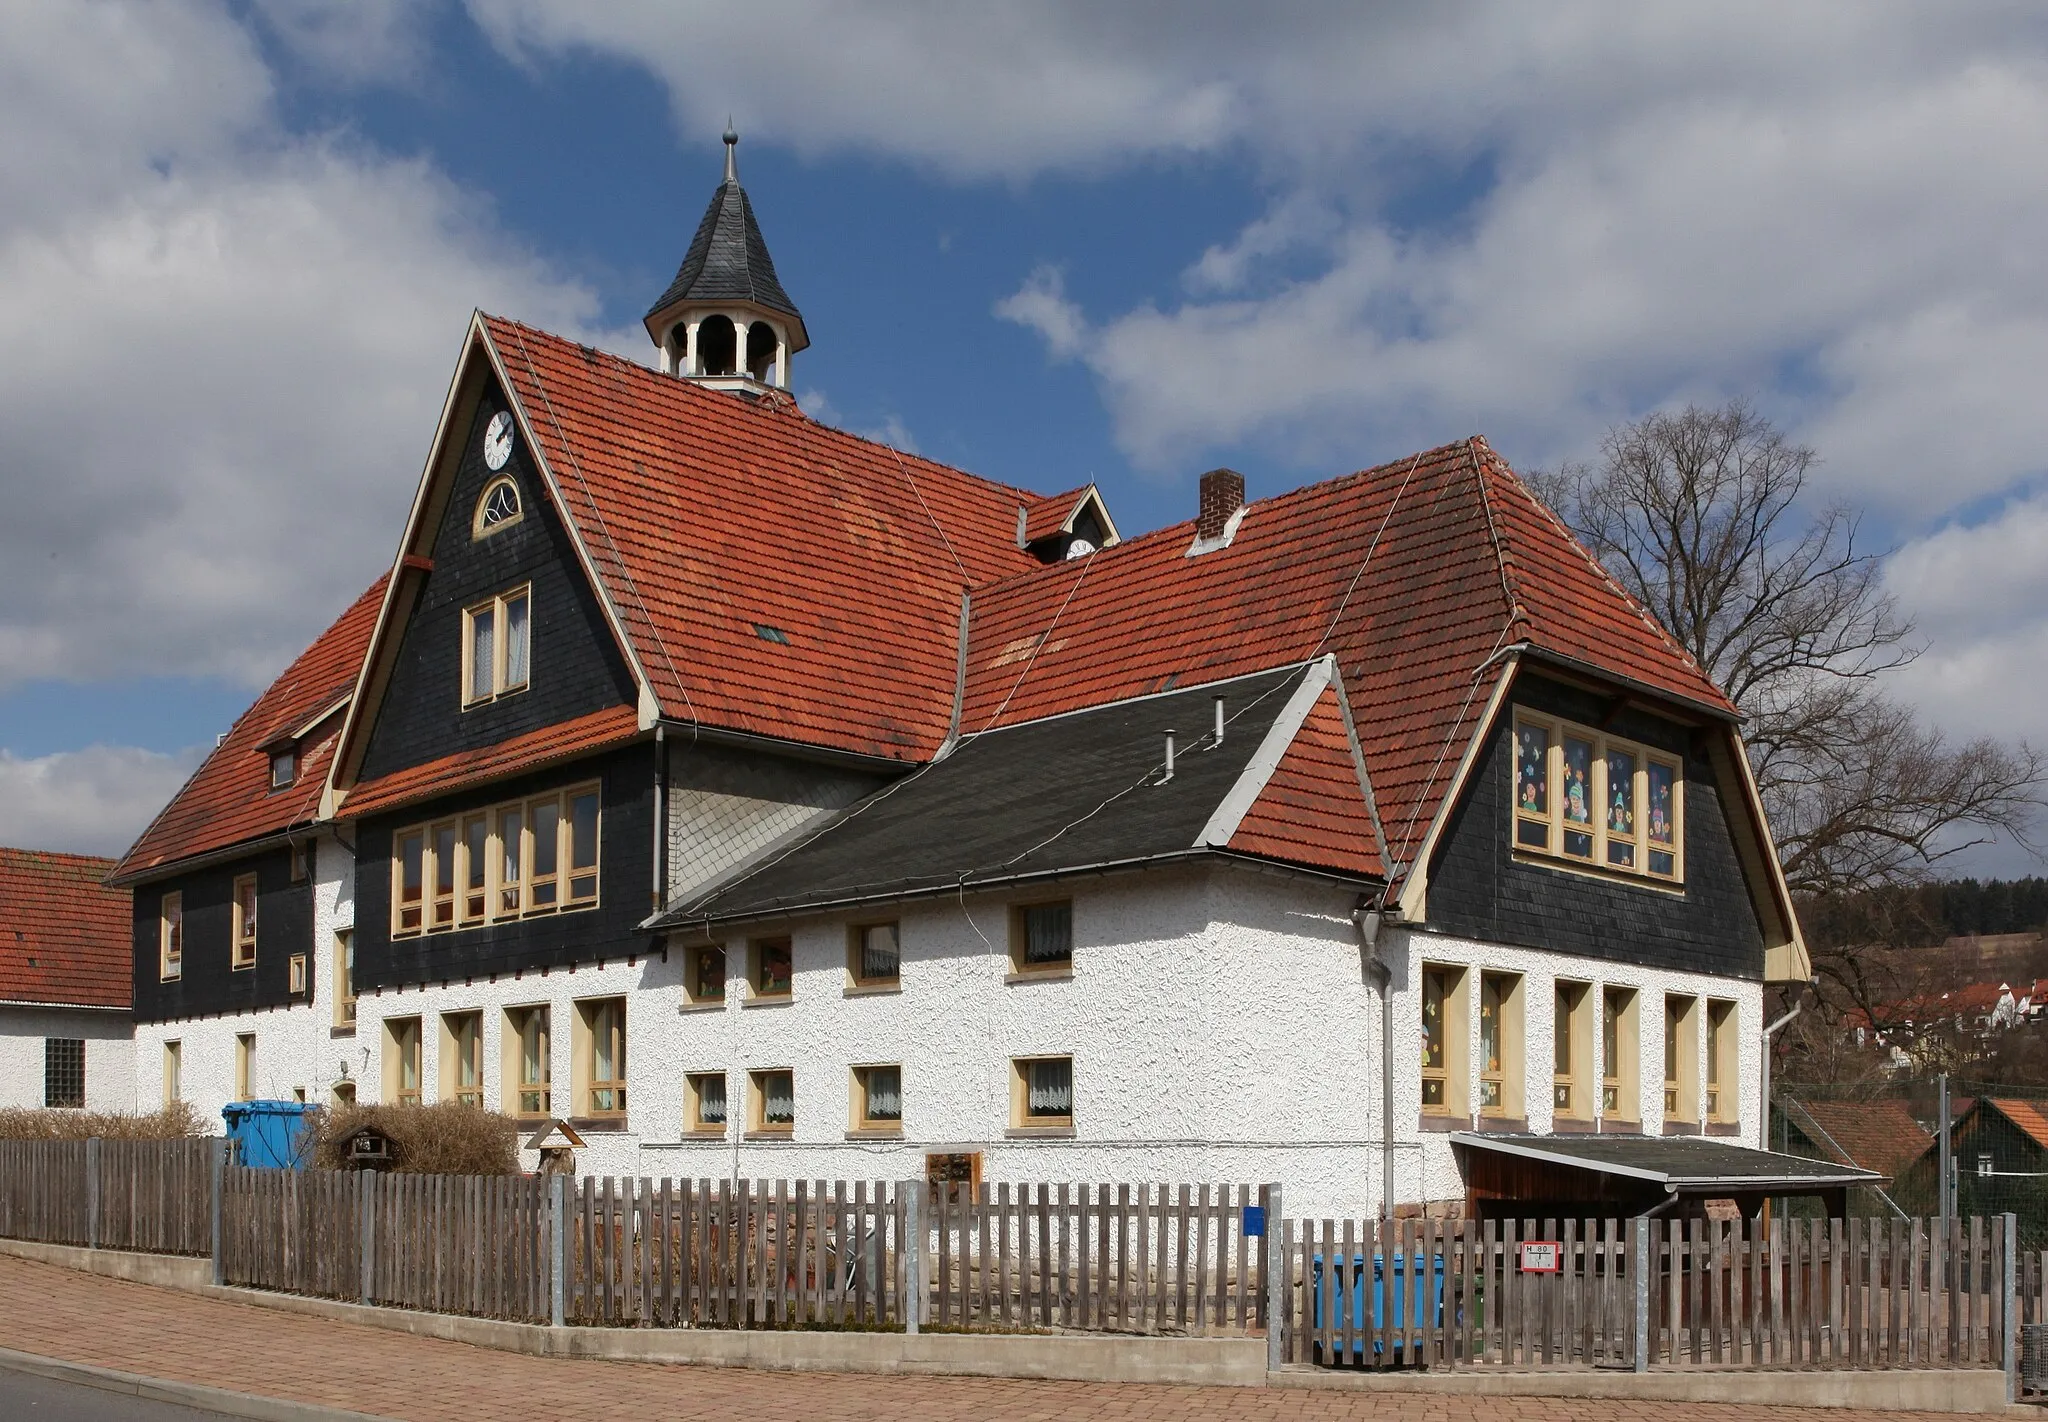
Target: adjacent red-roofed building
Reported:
[(65, 1038), (1330, 837)]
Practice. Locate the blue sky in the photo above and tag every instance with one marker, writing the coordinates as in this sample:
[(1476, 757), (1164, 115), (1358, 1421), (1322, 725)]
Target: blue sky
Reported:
[(1047, 244)]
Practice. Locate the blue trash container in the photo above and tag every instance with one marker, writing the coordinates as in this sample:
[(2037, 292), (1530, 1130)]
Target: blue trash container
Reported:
[(1406, 1298), (266, 1133)]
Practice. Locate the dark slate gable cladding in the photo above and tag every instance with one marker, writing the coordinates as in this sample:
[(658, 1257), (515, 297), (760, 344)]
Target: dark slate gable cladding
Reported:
[(576, 667), (609, 931), (1477, 889), (207, 986), (727, 260), (1051, 795)]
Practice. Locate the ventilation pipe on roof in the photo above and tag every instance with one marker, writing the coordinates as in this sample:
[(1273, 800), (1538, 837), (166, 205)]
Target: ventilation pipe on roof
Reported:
[(1219, 725), (1169, 757)]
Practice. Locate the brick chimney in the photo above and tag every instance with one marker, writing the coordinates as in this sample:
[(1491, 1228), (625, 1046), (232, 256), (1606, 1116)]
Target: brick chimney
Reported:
[(1222, 496)]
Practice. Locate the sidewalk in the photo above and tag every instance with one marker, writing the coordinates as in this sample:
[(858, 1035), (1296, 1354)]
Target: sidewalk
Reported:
[(79, 1318)]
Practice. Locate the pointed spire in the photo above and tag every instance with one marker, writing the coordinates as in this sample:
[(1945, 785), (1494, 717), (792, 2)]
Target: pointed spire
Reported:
[(732, 146)]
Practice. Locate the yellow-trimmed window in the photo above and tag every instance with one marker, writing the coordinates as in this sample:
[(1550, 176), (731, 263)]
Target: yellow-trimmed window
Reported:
[(345, 978), (1681, 1059), (402, 1085), (1722, 1072), (497, 644), (1584, 796), (877, 1104), (773, 1107), (170, 940), (532, 856), (1444, 1025), (527, 1063), (246, 900), (602, 1058), (462, 1058), (1500, 1045), (874, 955), (245, 1066), (1572, 1047), (1618, 1055), (704, 1106), (1042, 1093)]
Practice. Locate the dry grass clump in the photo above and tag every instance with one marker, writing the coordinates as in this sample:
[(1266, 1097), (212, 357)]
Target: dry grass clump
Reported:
[(174, 1122), (446, 1138)]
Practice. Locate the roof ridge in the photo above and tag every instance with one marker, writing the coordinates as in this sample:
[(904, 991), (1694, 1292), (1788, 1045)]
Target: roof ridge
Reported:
[(56, 854), (1599, 568)]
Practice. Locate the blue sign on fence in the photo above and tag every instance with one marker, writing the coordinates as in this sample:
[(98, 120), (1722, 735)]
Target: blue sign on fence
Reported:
[(1254, 1221)]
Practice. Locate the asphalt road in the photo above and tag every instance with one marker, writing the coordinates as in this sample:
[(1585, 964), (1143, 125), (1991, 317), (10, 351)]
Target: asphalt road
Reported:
[(26, 1396)]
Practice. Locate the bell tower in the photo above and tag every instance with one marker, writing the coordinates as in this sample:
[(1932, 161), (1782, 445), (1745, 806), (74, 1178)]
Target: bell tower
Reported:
[(725, 321)]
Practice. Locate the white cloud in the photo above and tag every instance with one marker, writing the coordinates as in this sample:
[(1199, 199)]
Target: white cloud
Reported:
[(1042, 305), (91, 801), (222, 348)]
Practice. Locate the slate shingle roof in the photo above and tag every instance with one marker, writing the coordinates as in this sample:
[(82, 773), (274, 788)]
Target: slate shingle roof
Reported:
[(64, 935), (728, 260), (1039, 799), (228, 800)]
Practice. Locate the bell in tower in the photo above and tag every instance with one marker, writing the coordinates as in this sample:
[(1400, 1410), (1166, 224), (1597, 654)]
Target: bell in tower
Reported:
[(725, 320)]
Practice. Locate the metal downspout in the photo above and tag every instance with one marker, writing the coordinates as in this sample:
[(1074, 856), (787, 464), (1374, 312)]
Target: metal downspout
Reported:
[(1367, 922)]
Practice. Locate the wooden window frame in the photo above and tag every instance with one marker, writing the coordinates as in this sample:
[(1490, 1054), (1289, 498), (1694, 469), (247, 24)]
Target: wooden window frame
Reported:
[(1621, 1065), (1572, 1024), (514, 1086), (1512, 1044), (1682, 1057), (174, 1071), (591, 1023), (758, 1124), (506, 890), (498, 606), (299, 980), (694, 1123), (170, 936), (405, 1045), (1721, 1078), (247, 920), (1551, 826), (344, 979), (1455, 1011), (245, 1066), (288, 757), (861, 1123), (1021, 968), (757, 950), (1022, 1121), (856, 958), (453, 1025), (478, 529), (698, 956)]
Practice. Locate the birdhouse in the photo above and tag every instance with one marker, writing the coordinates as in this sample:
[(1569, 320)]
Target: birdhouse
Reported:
[(367, 1148), (557, 1143)]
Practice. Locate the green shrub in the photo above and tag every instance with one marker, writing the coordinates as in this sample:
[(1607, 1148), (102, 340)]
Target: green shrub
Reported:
[(175, 1121), (445, 1138)]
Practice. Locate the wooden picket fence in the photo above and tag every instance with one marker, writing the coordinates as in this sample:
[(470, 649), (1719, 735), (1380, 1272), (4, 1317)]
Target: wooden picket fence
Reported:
[(147, 1195), (1160, 1259), (478, 1245), (1804, 1294)]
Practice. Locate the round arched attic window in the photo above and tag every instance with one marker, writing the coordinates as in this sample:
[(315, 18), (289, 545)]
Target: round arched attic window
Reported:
[(499, 507)]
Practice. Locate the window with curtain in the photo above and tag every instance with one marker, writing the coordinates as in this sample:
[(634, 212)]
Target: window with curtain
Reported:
[(1048, 1090), (707, 973), (606, 1092), (770, 972), (707, 1102), (497, 641), (775, 1101), (1042, 937), (536, 1073), (881, 1095), (878, 959)]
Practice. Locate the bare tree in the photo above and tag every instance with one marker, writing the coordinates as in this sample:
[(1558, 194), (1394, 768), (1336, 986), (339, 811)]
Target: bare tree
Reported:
[(1701, 516)]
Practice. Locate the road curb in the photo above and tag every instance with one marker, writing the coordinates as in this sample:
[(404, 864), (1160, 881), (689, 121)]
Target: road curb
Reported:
[(213, 1399)]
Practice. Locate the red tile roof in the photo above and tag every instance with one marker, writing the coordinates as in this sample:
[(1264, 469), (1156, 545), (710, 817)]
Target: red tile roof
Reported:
[(707, 514), (64, 935), (1313, 808), (228, 800), (612, 726), (1415, 574), (1045, 517), (1876, 1135), (2031, 1117)]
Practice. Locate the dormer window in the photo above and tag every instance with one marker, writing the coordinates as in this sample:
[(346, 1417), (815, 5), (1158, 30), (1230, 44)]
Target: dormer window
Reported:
[(284, 766), (499, 508)]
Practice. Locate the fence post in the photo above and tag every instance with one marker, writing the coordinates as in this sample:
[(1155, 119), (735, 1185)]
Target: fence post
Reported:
[(92, 1192), (366, 1231), (558, 1221), (2008, 1308), (1276, 1290), (218, 1167), (913, 1255), (1639, 1267)]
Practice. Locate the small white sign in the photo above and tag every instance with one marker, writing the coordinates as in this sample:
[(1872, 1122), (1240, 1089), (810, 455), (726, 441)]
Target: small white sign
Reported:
[(1542, 1256)]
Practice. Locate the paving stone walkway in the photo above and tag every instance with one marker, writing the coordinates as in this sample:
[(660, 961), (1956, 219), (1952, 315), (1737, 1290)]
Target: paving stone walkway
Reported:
[(82, 1318)]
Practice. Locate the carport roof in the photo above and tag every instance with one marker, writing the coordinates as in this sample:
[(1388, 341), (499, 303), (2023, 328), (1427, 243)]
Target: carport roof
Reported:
[(1691, 1165)]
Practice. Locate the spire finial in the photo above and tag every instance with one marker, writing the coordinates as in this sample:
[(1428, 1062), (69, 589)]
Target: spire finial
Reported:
[(732, 143)]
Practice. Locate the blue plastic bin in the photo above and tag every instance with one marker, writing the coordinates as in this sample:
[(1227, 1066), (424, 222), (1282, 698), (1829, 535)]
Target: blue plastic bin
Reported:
[(1414, 1295), (266, 1133)]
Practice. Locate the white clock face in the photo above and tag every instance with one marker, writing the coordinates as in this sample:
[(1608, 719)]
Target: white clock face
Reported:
[(498, 440)]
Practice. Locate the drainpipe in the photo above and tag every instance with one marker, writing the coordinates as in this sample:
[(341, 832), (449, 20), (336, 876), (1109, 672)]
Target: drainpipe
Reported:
[(660, 894), (1770, 1032), (1367, 922)]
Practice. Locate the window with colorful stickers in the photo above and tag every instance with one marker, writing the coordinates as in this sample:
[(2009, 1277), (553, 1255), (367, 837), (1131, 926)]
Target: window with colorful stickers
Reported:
[(1582, 795)]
